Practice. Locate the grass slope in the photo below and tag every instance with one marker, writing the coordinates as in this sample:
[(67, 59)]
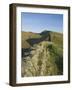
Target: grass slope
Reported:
[(42, 54), (28, 35), (45, 60), (55, 37)]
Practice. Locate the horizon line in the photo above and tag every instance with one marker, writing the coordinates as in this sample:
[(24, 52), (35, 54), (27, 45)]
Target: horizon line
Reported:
[(42, 31)]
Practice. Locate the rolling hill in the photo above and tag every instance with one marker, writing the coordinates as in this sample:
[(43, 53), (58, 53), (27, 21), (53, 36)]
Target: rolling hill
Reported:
[(28, 39), (28, 35)]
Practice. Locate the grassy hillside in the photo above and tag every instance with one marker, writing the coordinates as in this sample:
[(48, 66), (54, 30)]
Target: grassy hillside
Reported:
[(42, 54), (45, 60), (28, 35), (30, 38), (57, 38)]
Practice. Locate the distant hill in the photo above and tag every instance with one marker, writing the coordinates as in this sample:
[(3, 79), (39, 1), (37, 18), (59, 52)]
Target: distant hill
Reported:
[(30, 38), (55, 37), (28, 35)]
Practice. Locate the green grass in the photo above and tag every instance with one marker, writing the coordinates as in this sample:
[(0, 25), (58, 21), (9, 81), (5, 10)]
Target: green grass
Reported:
[(56, 38), (27, 35), (46, 60), (47, 57)]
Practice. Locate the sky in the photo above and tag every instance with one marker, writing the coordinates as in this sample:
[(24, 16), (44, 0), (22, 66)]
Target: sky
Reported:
[(38, 22)]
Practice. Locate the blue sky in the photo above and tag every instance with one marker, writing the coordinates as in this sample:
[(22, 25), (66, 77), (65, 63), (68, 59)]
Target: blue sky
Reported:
[(37, 22)]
